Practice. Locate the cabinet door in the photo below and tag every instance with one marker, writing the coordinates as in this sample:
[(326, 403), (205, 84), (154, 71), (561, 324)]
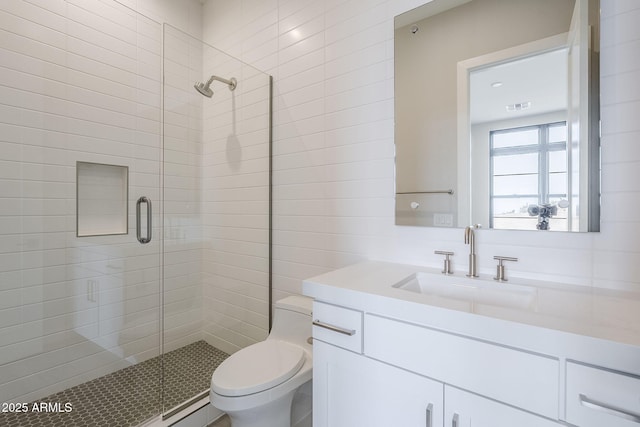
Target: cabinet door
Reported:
[(352, 390), (464, 409)]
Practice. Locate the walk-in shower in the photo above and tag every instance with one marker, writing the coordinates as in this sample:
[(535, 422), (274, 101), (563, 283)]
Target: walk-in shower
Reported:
[(97, 328), (205, 88)]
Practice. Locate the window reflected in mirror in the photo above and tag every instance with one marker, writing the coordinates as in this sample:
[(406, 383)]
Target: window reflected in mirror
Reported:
[(529, 186)]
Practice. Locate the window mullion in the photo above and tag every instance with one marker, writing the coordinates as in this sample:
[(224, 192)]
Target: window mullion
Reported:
[(543, 165)]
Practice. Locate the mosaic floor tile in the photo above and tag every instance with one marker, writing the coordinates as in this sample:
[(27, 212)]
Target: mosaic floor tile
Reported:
[(127, 397)]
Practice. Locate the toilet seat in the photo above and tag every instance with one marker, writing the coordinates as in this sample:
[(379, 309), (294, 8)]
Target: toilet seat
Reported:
[(256, 368)]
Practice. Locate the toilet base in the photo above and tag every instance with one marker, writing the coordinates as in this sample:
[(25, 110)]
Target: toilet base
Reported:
[(276, 413), (302, 406)]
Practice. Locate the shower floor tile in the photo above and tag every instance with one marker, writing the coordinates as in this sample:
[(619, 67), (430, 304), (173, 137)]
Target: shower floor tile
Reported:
[(129, 396)]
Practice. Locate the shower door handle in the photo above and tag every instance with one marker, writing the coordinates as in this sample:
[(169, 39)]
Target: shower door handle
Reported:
[(141, 239)]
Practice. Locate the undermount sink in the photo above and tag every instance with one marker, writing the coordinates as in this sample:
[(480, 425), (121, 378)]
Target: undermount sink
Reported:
[(470, 290)]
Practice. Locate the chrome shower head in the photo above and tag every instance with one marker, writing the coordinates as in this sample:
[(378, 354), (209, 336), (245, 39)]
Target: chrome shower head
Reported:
[(205, 89)]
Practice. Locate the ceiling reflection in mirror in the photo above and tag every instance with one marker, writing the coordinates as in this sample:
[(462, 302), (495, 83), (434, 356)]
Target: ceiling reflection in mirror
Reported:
[(497, 115)]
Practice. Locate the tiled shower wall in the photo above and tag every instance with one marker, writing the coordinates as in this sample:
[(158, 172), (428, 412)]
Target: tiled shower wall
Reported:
[(217, 173), (216, 178), (332, 63), (235, 197), (79, 81), (183, 147)]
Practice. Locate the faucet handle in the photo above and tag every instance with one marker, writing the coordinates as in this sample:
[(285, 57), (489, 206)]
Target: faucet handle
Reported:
[(500, 274), (447, 261)]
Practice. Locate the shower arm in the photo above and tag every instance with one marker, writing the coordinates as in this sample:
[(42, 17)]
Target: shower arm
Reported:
[(231, 83)]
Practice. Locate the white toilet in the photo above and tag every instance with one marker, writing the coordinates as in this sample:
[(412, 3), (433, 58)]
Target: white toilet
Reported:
[(256, 385)]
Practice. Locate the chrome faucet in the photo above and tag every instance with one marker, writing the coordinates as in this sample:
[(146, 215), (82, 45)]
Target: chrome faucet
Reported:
[(470, 239)]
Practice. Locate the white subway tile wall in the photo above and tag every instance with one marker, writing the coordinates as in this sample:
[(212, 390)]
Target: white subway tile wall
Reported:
[(332, 63), (73, 92), (235, 195), (81, 81), (183, 240), (217, 171)]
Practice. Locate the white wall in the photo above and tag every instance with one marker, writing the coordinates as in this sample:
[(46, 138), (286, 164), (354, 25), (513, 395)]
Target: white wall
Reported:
[(183, 14), (332, 63)]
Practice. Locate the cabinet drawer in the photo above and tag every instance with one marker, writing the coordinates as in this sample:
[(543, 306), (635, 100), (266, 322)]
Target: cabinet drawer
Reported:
[(598, 397), (338, 326), (473, 410), (522, 379)]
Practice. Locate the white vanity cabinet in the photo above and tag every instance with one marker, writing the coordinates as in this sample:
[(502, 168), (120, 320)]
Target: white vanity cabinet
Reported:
[(384, 356), (388, 384)]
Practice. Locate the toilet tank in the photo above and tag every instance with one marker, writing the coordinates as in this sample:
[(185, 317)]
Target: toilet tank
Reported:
[(292, 320)]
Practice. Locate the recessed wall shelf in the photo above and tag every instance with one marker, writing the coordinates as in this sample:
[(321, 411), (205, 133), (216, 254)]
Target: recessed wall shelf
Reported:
[(102, 193)]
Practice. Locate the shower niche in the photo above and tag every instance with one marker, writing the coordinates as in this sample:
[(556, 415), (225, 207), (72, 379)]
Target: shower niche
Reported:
[(101, 199)]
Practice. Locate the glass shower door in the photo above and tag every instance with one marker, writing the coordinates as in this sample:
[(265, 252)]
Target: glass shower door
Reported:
[(80, 126)]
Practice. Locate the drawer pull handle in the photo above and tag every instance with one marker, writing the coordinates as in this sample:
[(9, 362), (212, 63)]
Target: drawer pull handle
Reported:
[(430, 415), (455, 421), (334, 328), (612, 410)]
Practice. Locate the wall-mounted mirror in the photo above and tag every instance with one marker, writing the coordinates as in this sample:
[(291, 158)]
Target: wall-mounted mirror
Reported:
[(497, 114)]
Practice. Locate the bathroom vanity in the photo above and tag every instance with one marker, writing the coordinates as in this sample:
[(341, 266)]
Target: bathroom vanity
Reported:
[(407, 346)]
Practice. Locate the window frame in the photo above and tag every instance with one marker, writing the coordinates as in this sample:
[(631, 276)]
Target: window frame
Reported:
[(542, 148)]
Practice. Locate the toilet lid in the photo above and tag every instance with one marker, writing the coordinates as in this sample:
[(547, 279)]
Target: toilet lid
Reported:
[(257, 367)]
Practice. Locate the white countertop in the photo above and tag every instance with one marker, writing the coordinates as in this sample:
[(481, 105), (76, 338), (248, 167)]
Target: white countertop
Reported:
[(566, 320)]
